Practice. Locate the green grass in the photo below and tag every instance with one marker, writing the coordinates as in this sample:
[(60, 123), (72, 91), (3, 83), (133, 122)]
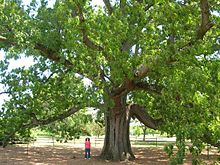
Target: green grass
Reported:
[(39, 132), (151, 143)]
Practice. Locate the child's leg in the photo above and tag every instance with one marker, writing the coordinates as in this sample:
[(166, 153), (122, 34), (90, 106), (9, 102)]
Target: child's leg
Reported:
[(85, 153), (89, 153)]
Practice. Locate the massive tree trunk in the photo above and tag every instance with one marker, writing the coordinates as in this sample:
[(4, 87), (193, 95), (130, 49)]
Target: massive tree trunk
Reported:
[(117, 143)]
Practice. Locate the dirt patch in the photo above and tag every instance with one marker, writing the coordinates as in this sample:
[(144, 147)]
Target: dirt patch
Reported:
[(69, 155)]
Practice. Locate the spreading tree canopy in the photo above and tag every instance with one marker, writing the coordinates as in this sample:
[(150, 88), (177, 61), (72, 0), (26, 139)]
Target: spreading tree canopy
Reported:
[(157, 61)]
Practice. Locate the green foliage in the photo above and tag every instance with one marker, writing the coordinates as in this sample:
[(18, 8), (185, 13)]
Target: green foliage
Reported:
[(73, 41), (70, 128), (169, 150), (95, 129), (196, 150), (180, 143), (137, 130)]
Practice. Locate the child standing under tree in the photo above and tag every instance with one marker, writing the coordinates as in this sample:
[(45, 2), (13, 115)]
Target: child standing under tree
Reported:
[(87, 148)]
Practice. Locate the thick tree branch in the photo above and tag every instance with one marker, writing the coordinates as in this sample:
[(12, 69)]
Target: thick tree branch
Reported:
[(48, 53), (52, 55), (130, 85), (86, 40), (206, 24), (36, 122), (142, 71), (140, 113), (108, 6)]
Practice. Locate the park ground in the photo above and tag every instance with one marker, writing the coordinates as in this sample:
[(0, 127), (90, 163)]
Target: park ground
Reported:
[(50, 153)]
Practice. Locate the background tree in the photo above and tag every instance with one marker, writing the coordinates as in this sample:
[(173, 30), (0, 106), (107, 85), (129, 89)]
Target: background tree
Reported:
[(70, 128), (144, 129), (150, 60), (96, 129)]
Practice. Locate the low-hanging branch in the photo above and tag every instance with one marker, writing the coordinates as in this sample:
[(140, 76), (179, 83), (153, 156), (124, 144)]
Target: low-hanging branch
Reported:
[(139, 112), (38, 122)]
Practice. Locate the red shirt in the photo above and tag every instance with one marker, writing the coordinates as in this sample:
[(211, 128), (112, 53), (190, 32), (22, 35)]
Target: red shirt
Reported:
[(87, 144)]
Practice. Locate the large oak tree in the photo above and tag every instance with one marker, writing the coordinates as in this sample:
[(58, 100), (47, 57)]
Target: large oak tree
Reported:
[(157, 61)]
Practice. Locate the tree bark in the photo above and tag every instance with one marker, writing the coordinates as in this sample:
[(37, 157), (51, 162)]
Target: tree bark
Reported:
[(117, 144)]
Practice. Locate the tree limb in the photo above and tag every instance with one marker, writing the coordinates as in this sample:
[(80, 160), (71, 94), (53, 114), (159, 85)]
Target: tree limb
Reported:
[(4, 93), (206, 24), (148, 87), (137, 47), (108, 6), (52, 55), (49, 77), (139, 112), (86, 40), (122, 5), (52, 119), (48, 53), (131, 85), (142, 71), (126, 45)]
